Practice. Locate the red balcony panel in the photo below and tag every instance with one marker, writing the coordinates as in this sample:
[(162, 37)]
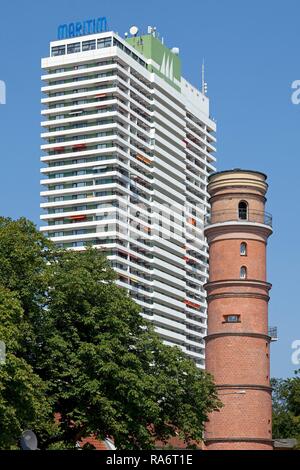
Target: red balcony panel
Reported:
[(77, 217), (188, 303)]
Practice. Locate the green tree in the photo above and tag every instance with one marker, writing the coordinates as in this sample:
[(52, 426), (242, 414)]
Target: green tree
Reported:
[(24, 252), (23, 402), (286, 408), (24, 255), (109, 372), (101, 366)]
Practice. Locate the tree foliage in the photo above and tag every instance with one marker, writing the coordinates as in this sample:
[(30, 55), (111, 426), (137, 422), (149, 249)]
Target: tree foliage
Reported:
[(84, 353), (286, 408), (23, 402)]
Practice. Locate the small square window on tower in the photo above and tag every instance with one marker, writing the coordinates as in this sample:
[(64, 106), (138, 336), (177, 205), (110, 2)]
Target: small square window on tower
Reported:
[(232, 318)]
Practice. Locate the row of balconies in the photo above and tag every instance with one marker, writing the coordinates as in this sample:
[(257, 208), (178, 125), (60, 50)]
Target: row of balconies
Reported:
[(208, 127), (139, 88)]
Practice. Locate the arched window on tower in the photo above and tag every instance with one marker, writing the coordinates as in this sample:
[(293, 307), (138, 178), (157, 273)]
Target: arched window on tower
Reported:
[(243, 249), (243, 272), (243, 210)]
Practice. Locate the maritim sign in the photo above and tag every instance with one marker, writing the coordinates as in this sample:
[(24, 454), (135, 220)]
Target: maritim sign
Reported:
[(81, 28)]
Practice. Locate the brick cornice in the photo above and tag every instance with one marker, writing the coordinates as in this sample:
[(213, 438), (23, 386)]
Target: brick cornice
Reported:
[(247, 238), (237, 283), (230, 226), (249, 334), (240, 439), (228, 295), (265, 388)]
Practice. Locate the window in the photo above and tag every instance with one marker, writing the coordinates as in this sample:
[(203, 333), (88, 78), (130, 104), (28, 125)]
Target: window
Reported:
[(118, 43), (106, 42), (243, 249), (243, 210), (75, 47), (243, 272), (128, 51), (232, 318), (58, 50), (89, 45)]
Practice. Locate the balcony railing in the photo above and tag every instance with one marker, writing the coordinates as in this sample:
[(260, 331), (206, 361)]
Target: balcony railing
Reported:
[(273, 333), (250, 216)]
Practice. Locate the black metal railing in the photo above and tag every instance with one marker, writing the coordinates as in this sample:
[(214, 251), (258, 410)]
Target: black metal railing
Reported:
[(251, 216), (272, 332)]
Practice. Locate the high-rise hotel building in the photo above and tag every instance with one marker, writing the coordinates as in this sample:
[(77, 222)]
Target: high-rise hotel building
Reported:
[(127, 148)]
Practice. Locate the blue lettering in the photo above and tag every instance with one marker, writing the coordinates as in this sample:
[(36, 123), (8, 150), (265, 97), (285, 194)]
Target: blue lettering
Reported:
[(101, 24), (89, 23), (71, 30), (62, 31), (78, 29)]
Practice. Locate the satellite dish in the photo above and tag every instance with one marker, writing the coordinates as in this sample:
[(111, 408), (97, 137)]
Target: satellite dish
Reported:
[(29, 441), (134, 30)]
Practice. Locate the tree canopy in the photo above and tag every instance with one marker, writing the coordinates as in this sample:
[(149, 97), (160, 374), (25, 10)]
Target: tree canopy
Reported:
[(78, 349), (286, 408), (23, 399)]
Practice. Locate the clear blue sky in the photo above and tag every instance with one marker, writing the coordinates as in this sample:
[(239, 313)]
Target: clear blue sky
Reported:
[(251, 50)]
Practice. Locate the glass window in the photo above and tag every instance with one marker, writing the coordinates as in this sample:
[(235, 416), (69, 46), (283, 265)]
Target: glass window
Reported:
[(243, 249), (243, 272), (58, 50), (74, 47), (118, 43), (89, 45), (106, 42), (232, 318), (243, 210)]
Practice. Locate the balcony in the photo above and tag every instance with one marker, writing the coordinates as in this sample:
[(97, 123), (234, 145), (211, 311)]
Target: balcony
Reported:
[(272, 332), (249, 216)]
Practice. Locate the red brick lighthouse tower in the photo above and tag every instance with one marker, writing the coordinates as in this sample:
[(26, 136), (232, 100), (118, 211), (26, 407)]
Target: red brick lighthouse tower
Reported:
[(238, 343)]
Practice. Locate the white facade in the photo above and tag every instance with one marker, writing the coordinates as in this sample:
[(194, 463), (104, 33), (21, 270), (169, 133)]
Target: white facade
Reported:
[(126, 159)]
